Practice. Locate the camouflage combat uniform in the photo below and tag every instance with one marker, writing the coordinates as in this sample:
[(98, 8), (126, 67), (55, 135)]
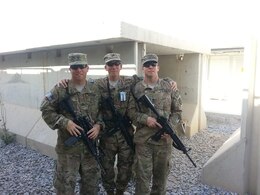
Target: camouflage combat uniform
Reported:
[(76, 158), (153, 158), (116, 144)]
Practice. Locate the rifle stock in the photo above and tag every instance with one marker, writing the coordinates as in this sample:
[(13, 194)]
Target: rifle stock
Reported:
[(166, 128)]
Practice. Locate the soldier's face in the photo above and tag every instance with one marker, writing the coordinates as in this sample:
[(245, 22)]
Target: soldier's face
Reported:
[(79, 72), (151, 69), (113, 68)]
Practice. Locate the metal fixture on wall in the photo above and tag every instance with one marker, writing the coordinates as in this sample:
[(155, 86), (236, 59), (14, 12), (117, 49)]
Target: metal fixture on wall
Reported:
[(180, 57)]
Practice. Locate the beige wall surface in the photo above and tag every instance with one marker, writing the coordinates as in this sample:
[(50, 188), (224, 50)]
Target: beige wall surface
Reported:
[(188, 74), (30, 75), (236, 165)]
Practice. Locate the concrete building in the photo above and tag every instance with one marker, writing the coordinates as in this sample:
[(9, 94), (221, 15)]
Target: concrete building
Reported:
[(236, 165), (29, 74), (25, 76)]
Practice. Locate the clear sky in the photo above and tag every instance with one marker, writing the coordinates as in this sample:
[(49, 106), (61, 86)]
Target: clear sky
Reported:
[(35, 23)]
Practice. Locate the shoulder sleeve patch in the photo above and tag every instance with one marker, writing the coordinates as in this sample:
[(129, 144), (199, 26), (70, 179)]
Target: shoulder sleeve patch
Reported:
[(49, 96), (91, 80)]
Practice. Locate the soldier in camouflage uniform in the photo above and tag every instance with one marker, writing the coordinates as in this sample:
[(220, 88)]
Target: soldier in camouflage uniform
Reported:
[(153, 158), (118, 88), (115, 145), (76, 158)]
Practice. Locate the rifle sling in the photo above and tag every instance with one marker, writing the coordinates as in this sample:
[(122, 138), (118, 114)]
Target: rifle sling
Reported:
[(110, 96)]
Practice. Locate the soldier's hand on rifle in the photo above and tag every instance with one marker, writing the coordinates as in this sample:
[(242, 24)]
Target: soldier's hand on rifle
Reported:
[(93, 133), (165, 136), (63, 83), (152, 123), (73, 128)]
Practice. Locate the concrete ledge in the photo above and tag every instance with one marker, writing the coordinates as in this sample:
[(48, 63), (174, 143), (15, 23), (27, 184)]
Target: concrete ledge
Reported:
[(30, 129), (20, 120), (225, 168), (43, 139)]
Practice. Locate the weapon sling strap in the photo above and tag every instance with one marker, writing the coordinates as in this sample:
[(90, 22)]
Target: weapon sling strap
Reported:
[(109, 95), (70, 108), (67, 106)]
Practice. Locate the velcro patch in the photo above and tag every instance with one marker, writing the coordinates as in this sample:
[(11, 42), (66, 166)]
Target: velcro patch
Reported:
[(49, 96)]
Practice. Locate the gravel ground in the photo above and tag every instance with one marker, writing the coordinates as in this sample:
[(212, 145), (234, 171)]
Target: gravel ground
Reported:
[(25, 171)]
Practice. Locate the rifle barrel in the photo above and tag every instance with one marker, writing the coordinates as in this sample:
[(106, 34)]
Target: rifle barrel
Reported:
[(191, 159)]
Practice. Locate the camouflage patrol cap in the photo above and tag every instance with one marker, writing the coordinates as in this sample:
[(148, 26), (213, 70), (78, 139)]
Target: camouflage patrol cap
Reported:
[(77, 58), (149, 58), (112, 57)]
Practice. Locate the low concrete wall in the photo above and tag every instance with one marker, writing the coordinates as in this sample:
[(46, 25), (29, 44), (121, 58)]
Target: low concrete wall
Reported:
[(43, 139), (30, 129), (228, 159)]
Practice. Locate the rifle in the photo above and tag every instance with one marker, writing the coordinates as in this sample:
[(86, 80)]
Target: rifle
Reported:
[(122, 123), (86, 125), (166, 128)]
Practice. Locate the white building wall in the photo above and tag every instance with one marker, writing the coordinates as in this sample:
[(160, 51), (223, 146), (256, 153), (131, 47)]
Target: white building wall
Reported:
[(224, 83), (236, 165)]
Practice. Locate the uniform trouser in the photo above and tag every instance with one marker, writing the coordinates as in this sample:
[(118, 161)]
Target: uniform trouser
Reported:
[(153, 162), (111, 147), (67, 168)]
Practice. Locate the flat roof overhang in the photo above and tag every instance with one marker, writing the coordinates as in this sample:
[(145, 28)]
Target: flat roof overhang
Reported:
[(158, 43)]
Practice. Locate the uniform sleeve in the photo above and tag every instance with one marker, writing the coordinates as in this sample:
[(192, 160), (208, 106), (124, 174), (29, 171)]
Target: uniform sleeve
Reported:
[(168, 79), (131, 109), (99, 117), (134, 111), (50, 110), (136, 79), (99, 120), (176, 112)]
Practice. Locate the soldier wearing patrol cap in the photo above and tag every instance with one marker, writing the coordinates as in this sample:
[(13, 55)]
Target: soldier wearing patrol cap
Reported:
[(74, 159), (153, 159), (77, 59), (110, 57), (149, 58), (118, 88)]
